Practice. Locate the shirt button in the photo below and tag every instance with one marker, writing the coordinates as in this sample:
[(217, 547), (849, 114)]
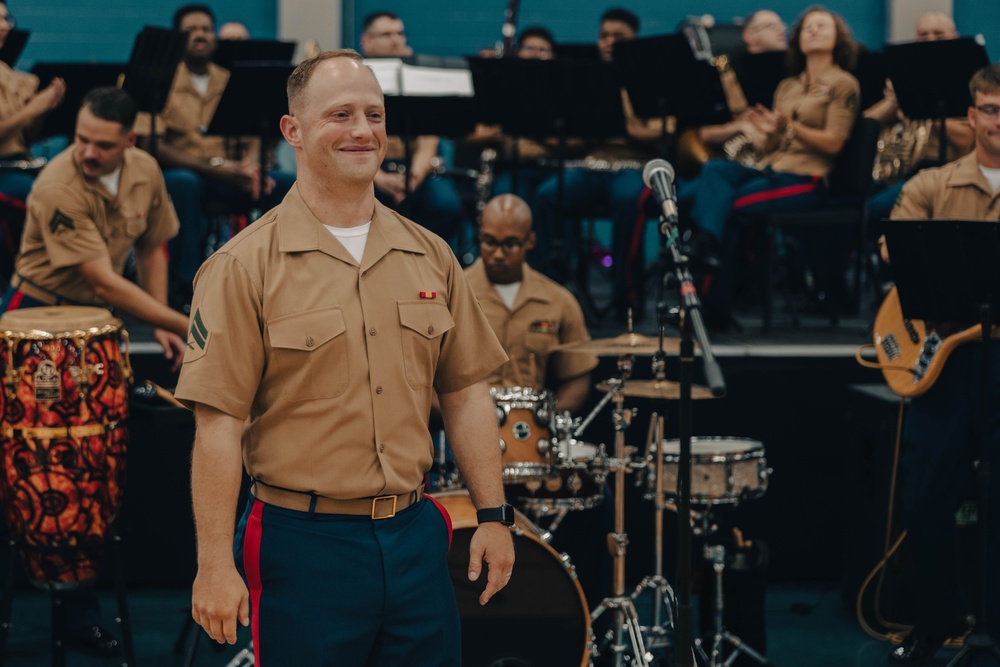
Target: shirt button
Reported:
[(371, 332), (378, 390), (430, 330), (381, 448), (309, 341)]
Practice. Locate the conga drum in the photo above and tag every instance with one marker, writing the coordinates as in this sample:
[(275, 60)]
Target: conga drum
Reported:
[(64, 405)]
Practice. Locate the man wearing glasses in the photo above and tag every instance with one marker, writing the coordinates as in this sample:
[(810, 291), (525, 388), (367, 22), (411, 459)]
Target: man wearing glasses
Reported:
[(940, 433), (531, 314)]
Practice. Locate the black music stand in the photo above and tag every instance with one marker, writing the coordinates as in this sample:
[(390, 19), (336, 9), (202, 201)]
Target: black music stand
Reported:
[(871, 76), (947, 271), (13, 46), (931, 79), (244, 112), (80, 79), (692, 92), (151, 71), (232, 52), (759, 75), (558, 99), (577, 51)]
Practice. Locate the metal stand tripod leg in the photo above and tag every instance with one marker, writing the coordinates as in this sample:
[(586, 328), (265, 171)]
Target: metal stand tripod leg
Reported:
[(716, 555)]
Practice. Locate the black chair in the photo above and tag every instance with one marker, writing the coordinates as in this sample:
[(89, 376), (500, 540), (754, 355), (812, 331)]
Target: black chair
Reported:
[(849, 185)]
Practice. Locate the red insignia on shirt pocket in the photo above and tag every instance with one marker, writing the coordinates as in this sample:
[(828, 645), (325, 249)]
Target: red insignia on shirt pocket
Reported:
[(544, 326), (428, 295)]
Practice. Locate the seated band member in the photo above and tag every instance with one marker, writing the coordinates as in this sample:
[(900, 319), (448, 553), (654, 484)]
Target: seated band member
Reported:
[(764, 31), (619, 187), (233, 30), (941, 442), (91, 206), (530, 314), (814, 111), (907, 145), (433, 202), (197, 166), (22, 106)]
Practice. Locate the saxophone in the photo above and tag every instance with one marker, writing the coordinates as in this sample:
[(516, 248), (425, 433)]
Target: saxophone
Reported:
[(900, 147), (484, 180)]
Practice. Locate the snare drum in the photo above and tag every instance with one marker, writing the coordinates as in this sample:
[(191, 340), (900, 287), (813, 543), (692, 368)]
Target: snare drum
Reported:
[(63, 446), (539, 618), (525, 418), (724, 470), (573, 485)]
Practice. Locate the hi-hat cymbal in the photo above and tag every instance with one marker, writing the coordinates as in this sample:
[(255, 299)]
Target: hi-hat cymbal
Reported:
[(662, 389), (627, 343)]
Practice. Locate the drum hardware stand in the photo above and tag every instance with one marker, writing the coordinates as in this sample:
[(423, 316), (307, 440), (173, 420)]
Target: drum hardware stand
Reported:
[(625, 617), (58, 606), (657, 632), (716, 555)]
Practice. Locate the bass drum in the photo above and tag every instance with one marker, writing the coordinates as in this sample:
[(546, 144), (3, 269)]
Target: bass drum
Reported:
[(539, 618)]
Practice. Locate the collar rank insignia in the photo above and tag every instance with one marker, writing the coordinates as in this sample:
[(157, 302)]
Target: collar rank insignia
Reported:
[(544, 326)]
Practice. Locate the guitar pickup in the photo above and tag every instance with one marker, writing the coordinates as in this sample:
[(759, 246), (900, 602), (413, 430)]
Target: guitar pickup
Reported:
[(891, 347)]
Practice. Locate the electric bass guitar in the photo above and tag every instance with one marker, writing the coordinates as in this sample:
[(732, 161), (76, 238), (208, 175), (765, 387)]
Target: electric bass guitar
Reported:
[(909, 356)]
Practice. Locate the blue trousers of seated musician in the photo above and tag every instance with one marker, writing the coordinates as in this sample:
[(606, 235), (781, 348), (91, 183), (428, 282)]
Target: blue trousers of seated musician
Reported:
[(585, 190), (941, 442), (349, 591), (188, 191), (435, 204), (16, 185)]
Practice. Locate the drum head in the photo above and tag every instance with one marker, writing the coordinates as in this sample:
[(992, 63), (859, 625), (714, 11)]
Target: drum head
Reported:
[(58, 321), (539, 618), (714, 445)]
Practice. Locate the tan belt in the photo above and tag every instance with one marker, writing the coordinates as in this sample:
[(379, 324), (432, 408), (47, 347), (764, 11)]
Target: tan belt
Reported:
[(380, 507)]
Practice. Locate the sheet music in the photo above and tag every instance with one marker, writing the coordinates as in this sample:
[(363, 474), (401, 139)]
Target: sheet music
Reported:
[(387, 72), (436, 82)]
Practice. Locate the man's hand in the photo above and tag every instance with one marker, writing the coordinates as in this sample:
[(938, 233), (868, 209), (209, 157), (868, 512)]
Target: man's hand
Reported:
[(391, 184), (173, 347), (219, 597), (493, 544), (46, 99)]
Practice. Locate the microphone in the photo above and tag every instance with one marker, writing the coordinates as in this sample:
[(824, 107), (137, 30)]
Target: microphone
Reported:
[(658, 175)]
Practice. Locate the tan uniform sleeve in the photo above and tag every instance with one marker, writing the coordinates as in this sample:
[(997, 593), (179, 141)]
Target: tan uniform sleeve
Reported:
[(915, 202), (572, 329), (845, 96), (224, 360), (143, 126), (470, 350), (68, 230), (162, 222)]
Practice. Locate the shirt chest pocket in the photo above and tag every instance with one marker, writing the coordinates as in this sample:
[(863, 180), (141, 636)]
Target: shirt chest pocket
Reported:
[(540, 343), (422, 324), (311, 353)]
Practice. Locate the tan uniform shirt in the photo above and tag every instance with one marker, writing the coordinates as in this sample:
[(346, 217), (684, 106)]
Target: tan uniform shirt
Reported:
[(332, 364), (187, 115), (72, 219), (16, 88), (956, 190), (829, 103), (545, 315)]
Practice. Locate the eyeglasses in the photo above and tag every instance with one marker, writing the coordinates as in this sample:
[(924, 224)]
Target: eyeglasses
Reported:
[(509, 245), (990, 110)]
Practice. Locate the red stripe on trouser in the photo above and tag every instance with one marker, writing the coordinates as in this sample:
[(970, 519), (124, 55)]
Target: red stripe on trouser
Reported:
[(15, 301), (13, 202), (251, 567), (777, 193), (445, 514)]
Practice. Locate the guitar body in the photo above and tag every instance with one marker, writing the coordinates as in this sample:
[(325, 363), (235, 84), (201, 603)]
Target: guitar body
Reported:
[(911, 360)]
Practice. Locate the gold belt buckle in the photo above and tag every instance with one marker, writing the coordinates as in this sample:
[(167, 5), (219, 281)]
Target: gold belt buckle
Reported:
[(383, 500)]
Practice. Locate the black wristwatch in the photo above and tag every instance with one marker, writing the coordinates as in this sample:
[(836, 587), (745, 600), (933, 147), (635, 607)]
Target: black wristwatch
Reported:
[(504, 514)]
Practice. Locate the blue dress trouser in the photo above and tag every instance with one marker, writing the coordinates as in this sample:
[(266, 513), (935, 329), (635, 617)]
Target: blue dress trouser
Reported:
[(940, 443), (348, 591)]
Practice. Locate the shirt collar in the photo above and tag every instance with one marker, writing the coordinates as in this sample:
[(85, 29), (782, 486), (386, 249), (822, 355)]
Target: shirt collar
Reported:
[(300, 230), (532, 286), (131, 176), (967, 173)]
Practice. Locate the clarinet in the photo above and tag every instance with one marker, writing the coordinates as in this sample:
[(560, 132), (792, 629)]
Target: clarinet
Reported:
[(509, 29)]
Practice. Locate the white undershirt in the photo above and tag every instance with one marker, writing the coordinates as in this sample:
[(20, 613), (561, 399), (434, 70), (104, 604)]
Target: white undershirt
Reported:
[(200, 82), (508, 293), (992, 177), (352, 238), (112, 180)]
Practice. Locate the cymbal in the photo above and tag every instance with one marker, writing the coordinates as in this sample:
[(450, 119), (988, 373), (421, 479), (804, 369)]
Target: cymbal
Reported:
[(662, 389), (626, 343)]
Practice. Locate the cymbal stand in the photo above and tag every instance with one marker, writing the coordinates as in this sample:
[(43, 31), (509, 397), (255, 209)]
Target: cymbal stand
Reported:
[(625, 617), (658, 635)]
